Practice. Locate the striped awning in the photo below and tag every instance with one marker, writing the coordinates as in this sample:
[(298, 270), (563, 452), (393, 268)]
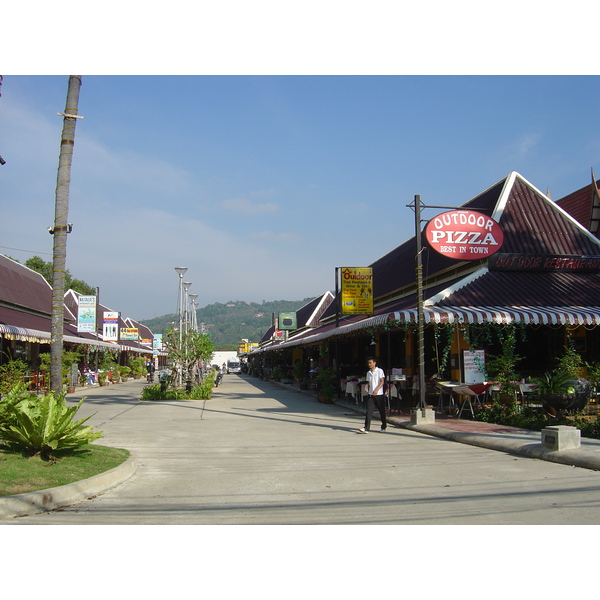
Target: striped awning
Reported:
[(23, 334), (503, 315)]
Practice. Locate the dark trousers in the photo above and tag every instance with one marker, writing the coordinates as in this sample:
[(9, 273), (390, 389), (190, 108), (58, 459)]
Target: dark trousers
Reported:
[(373, 401)]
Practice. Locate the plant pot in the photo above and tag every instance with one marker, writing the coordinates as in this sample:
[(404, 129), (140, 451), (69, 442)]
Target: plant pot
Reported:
[(70, 389)]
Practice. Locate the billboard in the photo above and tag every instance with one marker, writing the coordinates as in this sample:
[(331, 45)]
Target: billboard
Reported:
[(357, 290)]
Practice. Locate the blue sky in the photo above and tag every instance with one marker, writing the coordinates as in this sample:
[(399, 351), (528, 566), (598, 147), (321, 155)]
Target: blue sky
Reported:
[(262, 184)]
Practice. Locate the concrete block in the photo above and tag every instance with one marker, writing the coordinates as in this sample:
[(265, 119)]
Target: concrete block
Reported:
[(561, 437), (422, 415)]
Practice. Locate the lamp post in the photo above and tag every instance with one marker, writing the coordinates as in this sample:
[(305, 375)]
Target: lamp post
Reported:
[(180, 271)]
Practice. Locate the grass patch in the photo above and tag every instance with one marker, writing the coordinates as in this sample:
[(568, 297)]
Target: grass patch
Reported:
[(20, 474)]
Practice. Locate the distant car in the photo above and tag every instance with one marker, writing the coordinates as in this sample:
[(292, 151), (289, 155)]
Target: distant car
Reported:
[(234, 366)]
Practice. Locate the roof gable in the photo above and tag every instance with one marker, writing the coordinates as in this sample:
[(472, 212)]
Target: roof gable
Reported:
[(23, 288)]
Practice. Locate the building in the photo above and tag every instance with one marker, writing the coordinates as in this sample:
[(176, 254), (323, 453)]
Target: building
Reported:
[(544, 283)]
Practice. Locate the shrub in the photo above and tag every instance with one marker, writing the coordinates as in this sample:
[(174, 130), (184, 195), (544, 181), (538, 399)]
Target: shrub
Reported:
[(199, 392), (12, 374), (42, 425)]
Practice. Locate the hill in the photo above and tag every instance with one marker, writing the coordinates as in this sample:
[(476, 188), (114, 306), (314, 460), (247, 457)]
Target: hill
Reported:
[(233, 321)]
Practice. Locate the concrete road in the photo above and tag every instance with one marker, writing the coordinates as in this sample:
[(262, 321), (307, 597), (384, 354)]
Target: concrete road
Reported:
[(260, 454)]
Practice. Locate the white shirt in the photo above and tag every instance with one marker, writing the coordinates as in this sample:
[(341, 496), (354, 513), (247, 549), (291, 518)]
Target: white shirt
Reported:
[(374, 377)]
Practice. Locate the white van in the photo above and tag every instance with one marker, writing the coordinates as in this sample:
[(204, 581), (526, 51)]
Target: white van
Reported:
[(233, 366)]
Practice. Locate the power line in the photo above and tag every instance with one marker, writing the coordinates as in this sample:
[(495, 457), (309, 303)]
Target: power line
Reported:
[(21, 250)]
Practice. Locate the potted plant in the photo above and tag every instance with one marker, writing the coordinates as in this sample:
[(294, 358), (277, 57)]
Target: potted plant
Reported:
[(555, 391), (326, 381), (102, 375), (124, 371), (137, 367)]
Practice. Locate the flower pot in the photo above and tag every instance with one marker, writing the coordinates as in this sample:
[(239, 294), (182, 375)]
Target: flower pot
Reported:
[(70, 389)]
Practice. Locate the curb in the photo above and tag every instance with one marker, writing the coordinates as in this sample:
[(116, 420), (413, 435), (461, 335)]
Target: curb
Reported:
[(40, 501)]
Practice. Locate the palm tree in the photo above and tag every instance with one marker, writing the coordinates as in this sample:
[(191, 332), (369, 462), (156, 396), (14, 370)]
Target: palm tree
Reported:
[(60, 230)]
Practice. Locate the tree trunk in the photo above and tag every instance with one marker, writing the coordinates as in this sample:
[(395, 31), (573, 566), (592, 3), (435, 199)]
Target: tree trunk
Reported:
[(60, 230)]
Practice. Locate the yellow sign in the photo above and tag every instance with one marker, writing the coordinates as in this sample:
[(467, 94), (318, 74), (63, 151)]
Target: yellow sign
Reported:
[(357, 290)]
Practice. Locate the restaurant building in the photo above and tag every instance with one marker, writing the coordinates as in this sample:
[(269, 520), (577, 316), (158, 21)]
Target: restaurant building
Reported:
[(543, 285), (26, 323)]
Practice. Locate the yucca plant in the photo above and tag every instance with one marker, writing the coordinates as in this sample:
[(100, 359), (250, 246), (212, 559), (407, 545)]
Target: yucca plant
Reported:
[(42, 426)]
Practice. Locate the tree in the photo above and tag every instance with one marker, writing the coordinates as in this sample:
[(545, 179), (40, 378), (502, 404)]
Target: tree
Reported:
[(44, 268), (185, 352), (60, 230)]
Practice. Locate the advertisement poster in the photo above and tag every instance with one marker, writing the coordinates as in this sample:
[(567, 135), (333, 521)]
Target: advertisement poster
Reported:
[(86, 314), (357, 291), (474, 366), (110, 327)]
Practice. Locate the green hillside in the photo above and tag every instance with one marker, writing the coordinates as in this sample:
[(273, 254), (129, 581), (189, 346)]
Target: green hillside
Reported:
[(231, 322)]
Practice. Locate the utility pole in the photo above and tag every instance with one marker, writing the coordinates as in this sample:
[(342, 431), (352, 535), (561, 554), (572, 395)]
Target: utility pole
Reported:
[(61, 229)]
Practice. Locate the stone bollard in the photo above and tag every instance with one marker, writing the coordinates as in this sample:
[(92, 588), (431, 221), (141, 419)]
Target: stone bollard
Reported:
[(561, 437), (422, 415)]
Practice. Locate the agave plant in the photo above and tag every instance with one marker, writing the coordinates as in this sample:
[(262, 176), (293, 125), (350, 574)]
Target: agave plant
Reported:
[(42, 425)]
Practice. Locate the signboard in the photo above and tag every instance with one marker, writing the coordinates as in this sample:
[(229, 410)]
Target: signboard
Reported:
[(464, 235), (110, 327), (86, 314), (157, 341), (129, 333), (474, 366), (357, 291), (287, 320), (545, 263)]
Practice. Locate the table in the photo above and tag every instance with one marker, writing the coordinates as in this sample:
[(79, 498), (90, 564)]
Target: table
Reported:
[(469, 391)]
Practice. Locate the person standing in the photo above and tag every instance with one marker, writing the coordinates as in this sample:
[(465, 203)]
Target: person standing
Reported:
[(376, 397)]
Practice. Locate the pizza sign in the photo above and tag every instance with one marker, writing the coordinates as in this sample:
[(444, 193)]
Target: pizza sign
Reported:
[(464, 235)]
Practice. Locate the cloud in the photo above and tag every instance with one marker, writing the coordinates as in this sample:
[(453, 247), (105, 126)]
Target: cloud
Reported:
[(245, 206), (527, 142)]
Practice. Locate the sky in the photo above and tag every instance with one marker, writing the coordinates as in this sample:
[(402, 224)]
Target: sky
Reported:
[(262, 177)]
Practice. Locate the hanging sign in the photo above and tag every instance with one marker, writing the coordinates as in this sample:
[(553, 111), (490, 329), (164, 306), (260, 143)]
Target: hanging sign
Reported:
[(357, 290), (86, 313), (287, 321), (464, 235)]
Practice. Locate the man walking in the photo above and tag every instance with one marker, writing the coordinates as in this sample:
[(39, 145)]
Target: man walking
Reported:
[(375, 381)]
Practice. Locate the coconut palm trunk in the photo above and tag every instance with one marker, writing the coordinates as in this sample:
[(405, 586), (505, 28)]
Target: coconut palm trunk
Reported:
[(60, 230)]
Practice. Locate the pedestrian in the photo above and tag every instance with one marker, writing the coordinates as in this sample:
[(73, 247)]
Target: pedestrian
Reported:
[(376, 397)]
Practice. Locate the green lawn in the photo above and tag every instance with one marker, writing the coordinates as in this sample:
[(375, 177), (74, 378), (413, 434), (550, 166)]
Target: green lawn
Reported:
[(19, 474)]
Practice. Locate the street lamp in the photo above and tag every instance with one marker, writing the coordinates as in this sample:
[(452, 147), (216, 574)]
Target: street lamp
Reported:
[(180, 271)]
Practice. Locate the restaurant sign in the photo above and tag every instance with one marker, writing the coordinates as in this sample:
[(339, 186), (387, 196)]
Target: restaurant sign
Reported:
[(86, 314), (545, 263), (464, 235), (357, 291)]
